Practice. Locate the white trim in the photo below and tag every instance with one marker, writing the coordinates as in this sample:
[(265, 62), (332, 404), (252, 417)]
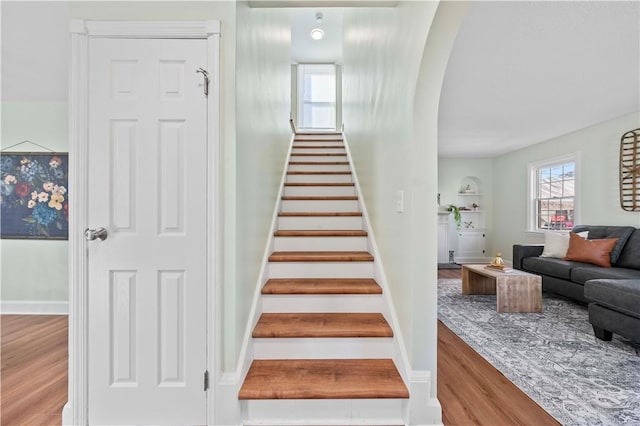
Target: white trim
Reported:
[(152, 29), (321, 3), (532, 169), (34, 307), (75, 410), (422, 405), (214, 216)]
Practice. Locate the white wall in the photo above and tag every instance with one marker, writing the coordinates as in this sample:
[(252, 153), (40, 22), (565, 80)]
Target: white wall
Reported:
[(34, 271), (391, 90), (262, 140), (599, 202), (379, 80)]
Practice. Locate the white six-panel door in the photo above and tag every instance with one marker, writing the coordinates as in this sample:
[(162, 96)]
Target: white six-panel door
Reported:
[(147, 186)]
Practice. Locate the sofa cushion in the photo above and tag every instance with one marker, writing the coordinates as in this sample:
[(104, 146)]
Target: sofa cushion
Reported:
[(622, 233), (558, 268), (557, 244), (584, 272), (630, 256), (619, 295), (597, 252)]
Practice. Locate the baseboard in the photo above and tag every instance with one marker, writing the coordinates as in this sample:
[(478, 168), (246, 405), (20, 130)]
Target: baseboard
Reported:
[(463, 260), (423, 408), (226, 408), (448, 266), (34, 307)]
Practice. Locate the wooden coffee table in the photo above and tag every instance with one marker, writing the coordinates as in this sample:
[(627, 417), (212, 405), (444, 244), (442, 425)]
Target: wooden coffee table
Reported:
[(516, 291)]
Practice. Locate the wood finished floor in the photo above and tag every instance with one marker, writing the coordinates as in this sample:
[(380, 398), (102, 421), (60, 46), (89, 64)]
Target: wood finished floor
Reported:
[(33, 382), (33, 372)]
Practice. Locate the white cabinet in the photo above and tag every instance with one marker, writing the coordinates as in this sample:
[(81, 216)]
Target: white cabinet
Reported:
[(471, 246), (472, 232)]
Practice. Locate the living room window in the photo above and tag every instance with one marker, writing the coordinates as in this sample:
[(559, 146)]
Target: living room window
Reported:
[(553, 187)]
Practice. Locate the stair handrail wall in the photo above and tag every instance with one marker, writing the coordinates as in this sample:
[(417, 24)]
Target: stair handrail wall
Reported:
[(246, 350), (400, 355)]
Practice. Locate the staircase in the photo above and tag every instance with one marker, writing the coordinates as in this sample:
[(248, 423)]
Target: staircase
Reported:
[(322, 346)]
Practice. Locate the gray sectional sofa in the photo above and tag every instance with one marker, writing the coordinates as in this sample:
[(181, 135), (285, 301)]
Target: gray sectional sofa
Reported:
[(613, 294)]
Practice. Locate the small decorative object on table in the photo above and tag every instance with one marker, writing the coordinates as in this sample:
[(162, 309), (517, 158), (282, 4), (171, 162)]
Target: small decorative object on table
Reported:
[(497, 263)]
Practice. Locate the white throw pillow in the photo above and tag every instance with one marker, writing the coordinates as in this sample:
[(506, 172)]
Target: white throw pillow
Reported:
[(556, 244)]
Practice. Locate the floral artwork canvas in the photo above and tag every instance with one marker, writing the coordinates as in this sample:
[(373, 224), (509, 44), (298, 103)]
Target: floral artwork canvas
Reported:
[(34, 195)]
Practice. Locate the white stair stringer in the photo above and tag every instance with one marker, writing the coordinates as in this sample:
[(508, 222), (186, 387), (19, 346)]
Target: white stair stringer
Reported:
[(325, 411)]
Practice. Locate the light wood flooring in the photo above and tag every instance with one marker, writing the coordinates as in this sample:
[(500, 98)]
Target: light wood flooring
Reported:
[(33, 375), (33, 382)]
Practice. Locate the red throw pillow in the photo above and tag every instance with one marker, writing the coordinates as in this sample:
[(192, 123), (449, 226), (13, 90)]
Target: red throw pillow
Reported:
[(590, 251)]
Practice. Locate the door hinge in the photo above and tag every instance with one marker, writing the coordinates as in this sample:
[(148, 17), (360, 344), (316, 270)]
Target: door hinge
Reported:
[(205, 74), (206, 381)]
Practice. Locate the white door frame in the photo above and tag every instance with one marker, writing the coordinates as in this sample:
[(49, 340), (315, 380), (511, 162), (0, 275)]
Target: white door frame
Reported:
[(75, 411)]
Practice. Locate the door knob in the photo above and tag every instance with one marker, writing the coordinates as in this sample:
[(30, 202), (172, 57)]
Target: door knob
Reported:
[(99, 233)]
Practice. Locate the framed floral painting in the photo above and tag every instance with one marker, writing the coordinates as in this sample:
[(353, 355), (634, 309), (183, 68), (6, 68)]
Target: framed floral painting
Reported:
[(34, 195)]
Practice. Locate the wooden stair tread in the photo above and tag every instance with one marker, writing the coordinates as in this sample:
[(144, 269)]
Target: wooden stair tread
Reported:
[(321, 256), (313, 172), (319, 214), (300, 325), (319, 198), (323, 379), (320, 154), (320, 233), (318, 163), (319, 184), (321, 286), (318, 147)]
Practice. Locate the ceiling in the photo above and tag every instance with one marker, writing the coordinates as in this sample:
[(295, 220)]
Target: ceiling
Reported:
[(526, 72), (303, 48), (520, 72)]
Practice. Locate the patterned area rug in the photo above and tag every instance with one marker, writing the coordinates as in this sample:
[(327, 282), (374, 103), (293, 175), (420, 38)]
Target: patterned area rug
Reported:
[(553, 356)]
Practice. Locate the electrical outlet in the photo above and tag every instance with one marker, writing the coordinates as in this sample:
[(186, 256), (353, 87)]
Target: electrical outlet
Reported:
[(400, 202)]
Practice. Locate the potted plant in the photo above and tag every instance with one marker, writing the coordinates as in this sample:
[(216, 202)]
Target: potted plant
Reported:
[(456, 214)]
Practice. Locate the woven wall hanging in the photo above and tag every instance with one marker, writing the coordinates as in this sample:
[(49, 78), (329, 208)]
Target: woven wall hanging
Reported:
[(630, 171)]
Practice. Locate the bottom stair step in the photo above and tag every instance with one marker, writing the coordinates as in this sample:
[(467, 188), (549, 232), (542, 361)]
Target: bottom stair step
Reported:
[(323, 379)]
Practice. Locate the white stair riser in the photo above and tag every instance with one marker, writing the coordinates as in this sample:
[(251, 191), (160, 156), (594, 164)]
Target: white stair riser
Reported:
[(328, 191), (320, 206), (319, 168), (317, 151), (325, 412), (320, 244), (321, 269), (338, 144), (323, 348), (319, 178), (318, 158), (320, 222), (319, 303)]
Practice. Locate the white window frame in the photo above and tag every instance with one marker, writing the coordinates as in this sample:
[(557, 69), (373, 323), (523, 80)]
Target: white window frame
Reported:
[(301, 101), (532, 181)]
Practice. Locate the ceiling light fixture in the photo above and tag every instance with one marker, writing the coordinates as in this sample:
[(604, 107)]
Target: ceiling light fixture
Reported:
[(317, 34)]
